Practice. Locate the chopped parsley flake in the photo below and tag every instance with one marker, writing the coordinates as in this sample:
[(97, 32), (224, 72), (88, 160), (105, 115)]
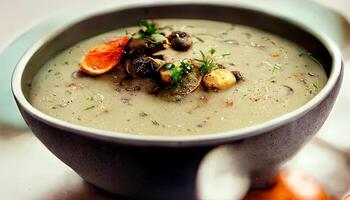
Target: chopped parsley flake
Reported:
[(143, 114), (225, 54), (89, 108), (128, 33), (276, 67), (176, 75), (283, 50), (147, 28), (316, 86), (68, 92), (90, 98), (177, 71), (154, 122), (247, 35), (212, 51)]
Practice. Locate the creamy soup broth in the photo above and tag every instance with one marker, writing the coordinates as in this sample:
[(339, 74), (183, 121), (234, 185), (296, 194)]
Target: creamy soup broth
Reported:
[(279, 77)]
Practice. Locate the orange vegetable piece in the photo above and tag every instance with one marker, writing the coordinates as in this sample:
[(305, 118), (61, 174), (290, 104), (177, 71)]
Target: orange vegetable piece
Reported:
[(104, 57), (291, 185), (347, 196)]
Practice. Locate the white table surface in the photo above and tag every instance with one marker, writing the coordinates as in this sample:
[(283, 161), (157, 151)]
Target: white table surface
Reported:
[(29, 171)]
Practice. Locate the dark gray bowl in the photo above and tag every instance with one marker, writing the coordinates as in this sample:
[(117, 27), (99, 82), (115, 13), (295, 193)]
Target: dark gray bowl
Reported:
[(220, 166)]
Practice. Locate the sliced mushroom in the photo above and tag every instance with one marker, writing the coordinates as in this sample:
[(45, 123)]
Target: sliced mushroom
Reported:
[(135, 48), (78, 74), (156, 43), (184, 86), (238, 75), (219, 79), (142, 66), (180, 41), (189, 83), (130, 68), (135, 84), (141, 47)]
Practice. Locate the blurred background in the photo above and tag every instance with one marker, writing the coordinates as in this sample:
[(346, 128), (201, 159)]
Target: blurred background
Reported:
[(29, 171)]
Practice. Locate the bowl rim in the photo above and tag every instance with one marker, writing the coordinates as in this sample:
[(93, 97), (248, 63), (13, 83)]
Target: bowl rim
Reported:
[(176, 141)]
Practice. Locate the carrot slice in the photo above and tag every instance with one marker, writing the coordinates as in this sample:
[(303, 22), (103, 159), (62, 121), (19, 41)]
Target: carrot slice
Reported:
[(104, 57)]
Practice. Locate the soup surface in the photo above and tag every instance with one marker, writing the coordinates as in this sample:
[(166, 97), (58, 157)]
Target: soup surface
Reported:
[(279, 76)]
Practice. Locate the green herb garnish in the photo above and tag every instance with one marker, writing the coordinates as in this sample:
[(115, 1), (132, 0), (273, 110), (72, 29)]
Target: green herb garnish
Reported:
[(147, 28), (143, 114), (176, 75), (184, 68), (283, 50), (154, 122), (212, 51), (276, 67), (66, 62), (68, 92), (316, 86), (225, 54), (248, 35), (89, 108), (90, 98), (207, 61), (168, 65)]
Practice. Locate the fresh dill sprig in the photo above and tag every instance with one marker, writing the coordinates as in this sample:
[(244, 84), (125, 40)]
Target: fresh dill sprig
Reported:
[(206, 61), (316, 86), (184, 68), (147, 28), (276, 67), (224, 55)]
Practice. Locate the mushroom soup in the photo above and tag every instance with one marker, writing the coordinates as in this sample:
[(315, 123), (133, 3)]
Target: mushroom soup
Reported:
[(177, 77)]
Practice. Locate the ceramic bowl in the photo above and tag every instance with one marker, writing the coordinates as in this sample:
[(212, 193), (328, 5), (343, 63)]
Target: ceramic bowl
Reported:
[(217, 166)]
